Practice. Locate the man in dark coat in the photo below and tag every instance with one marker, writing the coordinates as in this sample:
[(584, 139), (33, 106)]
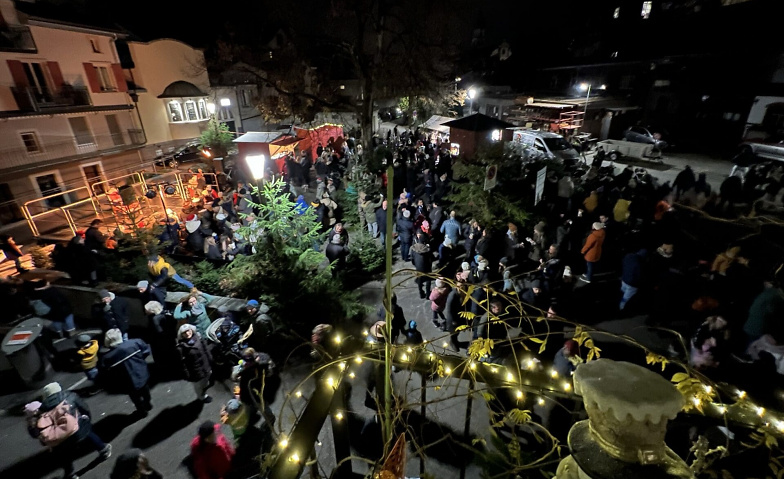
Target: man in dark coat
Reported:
[(454, 305), (423, 262), (149, 292), (60, 312), (94, 240), (196, 361), (405, 232), (125, 363), (398, 318), (52, 396), (336, 253), (381, 219), (115, 312)]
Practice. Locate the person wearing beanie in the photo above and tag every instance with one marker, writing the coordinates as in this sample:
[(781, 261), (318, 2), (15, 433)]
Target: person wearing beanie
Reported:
[(336, 253), (53, 397), (405, 232), (87, 351), (149, 292), (446, 254), (423, 263), (236, 416), (592, 251), (195, 359), (133, 464), (211, 452), (114, 313), (413, 336), (567, 358), (125, 363)]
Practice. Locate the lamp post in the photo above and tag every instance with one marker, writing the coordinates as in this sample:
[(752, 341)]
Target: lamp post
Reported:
[(256, 164), (471, 95), (586, 87)]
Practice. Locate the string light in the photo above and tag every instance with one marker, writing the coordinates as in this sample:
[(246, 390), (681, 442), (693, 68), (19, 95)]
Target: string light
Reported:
[(696, 401), (339, 416), (431, 356), (448, 370), (331, 382), (365, 332), (509, 377), (554, 373), (337, 338), (495, 370), (472, 365), (352, 375), (404, 357), (298, 394), (342, 365), (358, 360), (283, 443), (410, 350), (519, 394), (294, 457), (760, 411), (780, 426), (708, 389), (531, 364), (541, 401), (567, 386), (721, 409), (445, 345), (741, 394)]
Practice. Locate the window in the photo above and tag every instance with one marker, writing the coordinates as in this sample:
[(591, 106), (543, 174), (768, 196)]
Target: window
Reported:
[(617, 12), (245, 98), (9, 209), (105, 79), (203, 110), (95, 45), (175, 111), (224, 113), (646, 10), (81, 131), (31, 143), (614, 55), (38, 80), (49, 184), (114, 130), (190, 111)]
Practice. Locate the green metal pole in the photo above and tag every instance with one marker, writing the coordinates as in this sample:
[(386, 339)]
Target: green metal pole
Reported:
[(388, 317)]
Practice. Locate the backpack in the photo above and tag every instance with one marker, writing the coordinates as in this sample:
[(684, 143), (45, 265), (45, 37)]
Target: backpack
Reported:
[(58, 424)]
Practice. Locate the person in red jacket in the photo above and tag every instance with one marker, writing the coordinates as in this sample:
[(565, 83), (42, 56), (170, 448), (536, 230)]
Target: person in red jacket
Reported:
[(211, 452), (592, 251)]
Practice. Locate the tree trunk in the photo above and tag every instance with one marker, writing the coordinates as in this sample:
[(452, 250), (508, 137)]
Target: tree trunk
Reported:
[(366, 116)]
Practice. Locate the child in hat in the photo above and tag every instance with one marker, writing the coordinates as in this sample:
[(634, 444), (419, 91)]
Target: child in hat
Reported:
[(87, 350)]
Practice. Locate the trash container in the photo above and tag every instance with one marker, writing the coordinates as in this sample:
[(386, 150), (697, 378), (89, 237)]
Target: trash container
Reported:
[(26, 353)]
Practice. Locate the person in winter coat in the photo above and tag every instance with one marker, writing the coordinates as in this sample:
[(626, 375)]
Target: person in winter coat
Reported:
[(592, 250), (162, 271), (436, 216), (453, 308), (258, 383), (52, 398), (565, 192), (115, 312), (149, 292), (196, 360), (94, 240), (125, 363), (211, 452), (338, 229), (438, 301), (59, 309), (133, 464), (631, 276), (369, 207), (336, 253), (423, 262), (87, 352), (405, 232), (398, 318), (196, 311), (381, 222), (413, 336)]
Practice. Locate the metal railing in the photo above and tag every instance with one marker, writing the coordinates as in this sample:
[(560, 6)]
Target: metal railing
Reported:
[(50, 148), (32, 99), (56, 215), (17, 38)]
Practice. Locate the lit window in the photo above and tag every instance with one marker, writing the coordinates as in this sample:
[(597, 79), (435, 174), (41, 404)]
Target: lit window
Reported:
[(225, 114), (31, 142), (190, 111), (496, 135), (646, 9), (614, 55), (203, 110), (617, 12), (454, 149), (105, 78), (175, 111)]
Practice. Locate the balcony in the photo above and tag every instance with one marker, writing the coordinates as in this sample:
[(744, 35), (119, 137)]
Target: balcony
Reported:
[(53, 150), (31, 99), (17, 38)]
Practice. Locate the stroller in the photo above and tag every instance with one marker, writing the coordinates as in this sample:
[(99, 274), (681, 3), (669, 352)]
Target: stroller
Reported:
[(227, 340)]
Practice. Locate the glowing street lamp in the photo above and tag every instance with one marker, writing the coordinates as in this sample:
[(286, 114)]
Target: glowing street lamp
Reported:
[(586, 87), (211, 108), (225, 102), (472, 93), (256, 165)]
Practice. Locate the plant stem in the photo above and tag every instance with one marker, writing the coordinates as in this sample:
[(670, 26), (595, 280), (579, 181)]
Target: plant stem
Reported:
[(388, 316)]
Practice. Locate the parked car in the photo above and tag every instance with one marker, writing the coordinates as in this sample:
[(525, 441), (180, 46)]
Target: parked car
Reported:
[(185, 154), (640, 134), (550, 145), (752, 152)]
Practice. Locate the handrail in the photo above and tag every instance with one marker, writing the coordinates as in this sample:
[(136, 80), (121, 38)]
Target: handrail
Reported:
[(65, 209), (109, 181)]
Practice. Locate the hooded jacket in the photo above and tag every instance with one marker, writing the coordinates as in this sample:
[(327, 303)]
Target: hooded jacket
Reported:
[(115, 314), (197, 315), (194, 355), (85, 426), (422, 258), (127, 359), (212, 461)]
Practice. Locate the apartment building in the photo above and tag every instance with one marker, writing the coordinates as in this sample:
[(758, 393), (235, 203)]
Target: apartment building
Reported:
[(80, 105)]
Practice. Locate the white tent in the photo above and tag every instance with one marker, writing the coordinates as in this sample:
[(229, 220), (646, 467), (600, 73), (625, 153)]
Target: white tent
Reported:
[(435, 123)]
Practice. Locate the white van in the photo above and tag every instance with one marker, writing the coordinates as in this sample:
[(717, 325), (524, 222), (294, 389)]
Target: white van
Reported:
[(551, 145)]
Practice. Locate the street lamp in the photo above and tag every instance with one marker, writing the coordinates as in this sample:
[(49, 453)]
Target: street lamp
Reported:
[(586, 87), (471, 95), (225, 102), (256, 165), (211, 108)]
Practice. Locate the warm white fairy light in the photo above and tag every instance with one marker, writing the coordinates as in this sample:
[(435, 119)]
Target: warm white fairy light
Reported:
[(352, 375), (760, 411), (722, 409), (404, 357), (541, 401), (495, 370), (445, 345), (472, 365), (567, 386), (339, 416), (342, 365), (707, 389), (283, 443), (294, 457), (365, 332), (358, 359), (554, 373), (410, 350), (531, 364), (331, 382), (696, 401), (448, 370), (337, 338), (780, 426), (741, 394), (519, 394), (298, 394), (509, 377)]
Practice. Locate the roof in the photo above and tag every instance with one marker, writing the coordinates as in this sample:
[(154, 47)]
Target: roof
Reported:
[(287, 140), (478, 122), (539, 133), (259, 137), (436, 122), (181, 89)]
